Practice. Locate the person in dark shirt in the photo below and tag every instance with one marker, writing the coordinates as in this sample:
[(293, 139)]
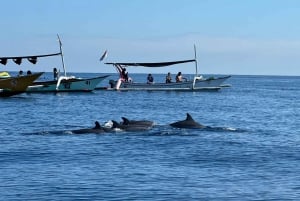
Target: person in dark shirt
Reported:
[(168, 78), (124, 74), (150, 79), (20, 73), (55, 74)]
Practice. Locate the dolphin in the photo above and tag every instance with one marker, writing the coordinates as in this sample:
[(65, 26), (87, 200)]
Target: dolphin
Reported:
[(137, 122), (97, 129), (189, 122), (130, 127)]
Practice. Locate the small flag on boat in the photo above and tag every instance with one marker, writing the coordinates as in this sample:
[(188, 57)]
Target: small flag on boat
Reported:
[(103, 56), (32, 59), (3, 61), (17, 60)]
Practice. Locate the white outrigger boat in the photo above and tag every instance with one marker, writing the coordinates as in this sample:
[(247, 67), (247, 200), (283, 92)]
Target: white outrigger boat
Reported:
[(198, 83), (65, 83)]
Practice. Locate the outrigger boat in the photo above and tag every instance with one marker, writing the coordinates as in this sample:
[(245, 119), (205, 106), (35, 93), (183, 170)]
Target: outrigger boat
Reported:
[(64, 83), (198, 83), (10, 86)]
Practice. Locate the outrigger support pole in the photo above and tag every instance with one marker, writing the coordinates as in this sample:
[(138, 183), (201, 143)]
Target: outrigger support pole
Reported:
[(62, 56), (196, 75), (196, 60)]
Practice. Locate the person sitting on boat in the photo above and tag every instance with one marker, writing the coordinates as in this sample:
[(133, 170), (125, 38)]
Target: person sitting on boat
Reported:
[(29, 72), (179, 77), (150, 79), (20, 73), (168, 78)]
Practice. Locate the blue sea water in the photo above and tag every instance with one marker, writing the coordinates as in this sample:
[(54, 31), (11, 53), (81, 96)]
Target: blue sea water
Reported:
[(255, 156)]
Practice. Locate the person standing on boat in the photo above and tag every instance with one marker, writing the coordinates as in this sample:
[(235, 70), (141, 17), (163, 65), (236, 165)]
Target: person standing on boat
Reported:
[(150, 79), (124, 74), (55, 73), (168, 78)]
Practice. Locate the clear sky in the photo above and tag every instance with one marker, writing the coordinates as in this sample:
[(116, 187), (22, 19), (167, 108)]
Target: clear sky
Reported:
[(250, 37)]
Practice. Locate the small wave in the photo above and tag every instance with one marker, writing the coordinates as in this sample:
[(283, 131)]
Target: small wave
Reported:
[(223, 129), (108, 124), (67, 132), (159, 130), (230, 129)]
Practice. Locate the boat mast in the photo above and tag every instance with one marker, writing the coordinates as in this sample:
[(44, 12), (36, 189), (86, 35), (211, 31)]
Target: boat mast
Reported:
[(196, 60), (62, 55)]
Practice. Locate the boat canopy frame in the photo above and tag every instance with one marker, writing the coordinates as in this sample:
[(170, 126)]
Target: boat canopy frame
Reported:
[(155, 64), (32, 58), (120, 65)]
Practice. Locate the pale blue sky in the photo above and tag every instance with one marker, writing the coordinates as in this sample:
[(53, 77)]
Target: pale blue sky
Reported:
[(256, 37)]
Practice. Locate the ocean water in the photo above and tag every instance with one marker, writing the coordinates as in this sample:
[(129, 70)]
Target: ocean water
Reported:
[(255, 156)]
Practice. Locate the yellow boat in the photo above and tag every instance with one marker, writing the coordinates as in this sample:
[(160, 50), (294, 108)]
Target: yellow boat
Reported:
[(15, 85)]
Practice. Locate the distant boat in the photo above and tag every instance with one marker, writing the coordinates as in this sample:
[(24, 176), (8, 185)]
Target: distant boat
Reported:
[(64, 83), (198, 83), (10, 86)]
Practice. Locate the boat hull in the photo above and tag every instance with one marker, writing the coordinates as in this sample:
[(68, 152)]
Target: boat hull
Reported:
[(15, 85), (213, 84), (69, 85)]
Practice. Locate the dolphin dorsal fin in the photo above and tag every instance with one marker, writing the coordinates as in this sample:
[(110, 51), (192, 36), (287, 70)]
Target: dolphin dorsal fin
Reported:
[(189, 117), (97, 125), (125, 121), (115, 124)]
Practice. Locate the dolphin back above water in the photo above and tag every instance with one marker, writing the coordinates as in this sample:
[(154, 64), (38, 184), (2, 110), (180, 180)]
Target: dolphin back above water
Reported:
[(126, 125), (143, 125), (137, 122), (97, 129), (130, 127), (189, 122)]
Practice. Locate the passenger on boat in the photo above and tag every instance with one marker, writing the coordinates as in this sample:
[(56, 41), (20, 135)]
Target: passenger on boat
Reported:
[(179, 77), (55, 74), (124, 74), (20, 73), (29, 72), (168, 78), (150, 79)]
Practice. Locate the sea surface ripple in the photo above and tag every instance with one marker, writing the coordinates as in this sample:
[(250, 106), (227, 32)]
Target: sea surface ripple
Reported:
[(255, 156)]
